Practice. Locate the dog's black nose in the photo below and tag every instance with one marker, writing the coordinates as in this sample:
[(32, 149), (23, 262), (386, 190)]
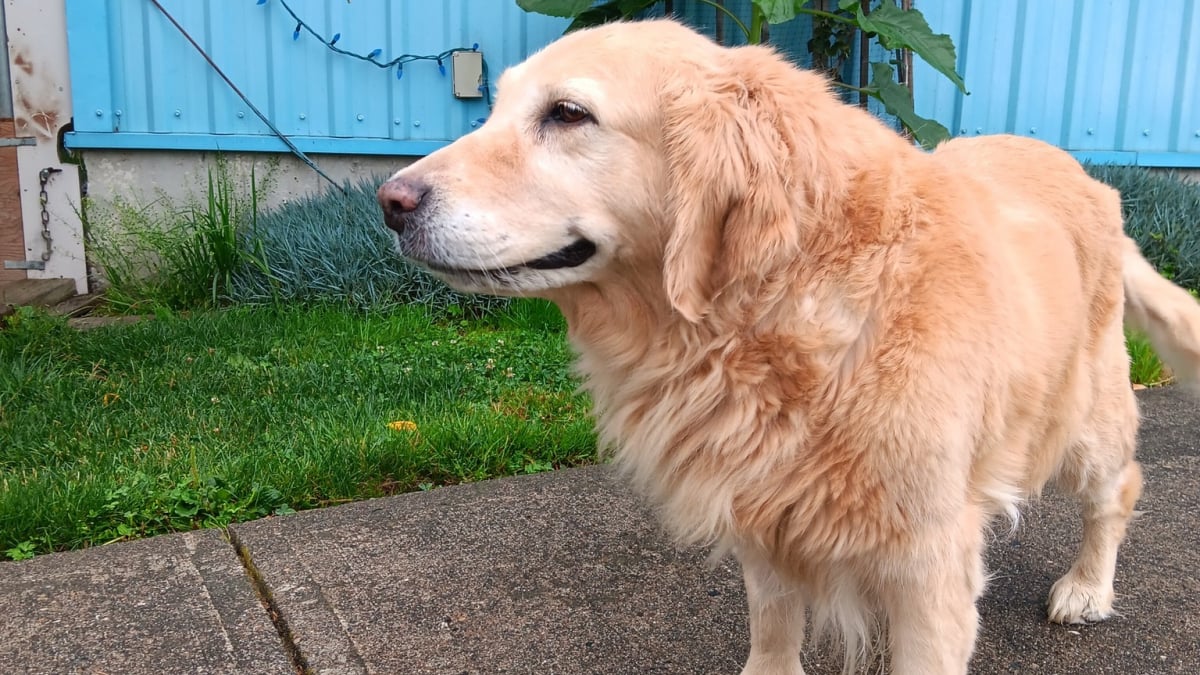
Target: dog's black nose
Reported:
[(399, 197)]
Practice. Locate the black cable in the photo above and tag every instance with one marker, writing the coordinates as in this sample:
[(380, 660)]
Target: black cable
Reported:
[(286, 141)]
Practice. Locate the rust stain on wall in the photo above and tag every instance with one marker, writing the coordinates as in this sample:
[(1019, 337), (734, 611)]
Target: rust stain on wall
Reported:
[(37, 100)]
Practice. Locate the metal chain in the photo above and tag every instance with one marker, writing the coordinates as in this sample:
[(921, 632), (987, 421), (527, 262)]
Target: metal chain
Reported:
[(44, 177)]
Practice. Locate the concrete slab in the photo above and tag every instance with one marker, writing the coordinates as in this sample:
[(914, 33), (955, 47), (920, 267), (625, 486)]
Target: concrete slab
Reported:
[(173, 604), (554, 573), (567, 573)]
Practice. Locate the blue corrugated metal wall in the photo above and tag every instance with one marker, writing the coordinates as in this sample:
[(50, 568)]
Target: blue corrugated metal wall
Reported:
[(137, 83), (1110, 80)]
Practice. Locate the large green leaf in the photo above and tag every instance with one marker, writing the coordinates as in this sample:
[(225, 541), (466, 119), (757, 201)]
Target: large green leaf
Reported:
[(614, 10), (907, 29), (564, 8), (778, 11), (899, 102)]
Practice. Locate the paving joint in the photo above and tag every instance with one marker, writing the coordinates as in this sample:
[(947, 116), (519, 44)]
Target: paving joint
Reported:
[(267, 599)]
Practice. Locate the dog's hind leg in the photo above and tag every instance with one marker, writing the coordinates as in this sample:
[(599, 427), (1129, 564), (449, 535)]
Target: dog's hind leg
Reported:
[(1101, 471), (776, 620)]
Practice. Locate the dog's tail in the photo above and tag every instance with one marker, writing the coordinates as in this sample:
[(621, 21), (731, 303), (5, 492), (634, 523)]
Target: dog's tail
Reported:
[(1166, 313)]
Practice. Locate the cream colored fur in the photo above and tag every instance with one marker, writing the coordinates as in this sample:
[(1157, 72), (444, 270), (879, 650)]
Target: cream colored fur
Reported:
[(810, 343)]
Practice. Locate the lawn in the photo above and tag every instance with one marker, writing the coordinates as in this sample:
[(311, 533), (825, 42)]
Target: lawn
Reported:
[(183, 422)]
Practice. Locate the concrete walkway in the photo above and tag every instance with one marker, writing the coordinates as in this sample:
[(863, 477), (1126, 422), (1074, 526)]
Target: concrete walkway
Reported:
[(554, 573)]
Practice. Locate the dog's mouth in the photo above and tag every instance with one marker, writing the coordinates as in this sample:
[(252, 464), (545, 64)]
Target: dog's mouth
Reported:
[(572, 255)]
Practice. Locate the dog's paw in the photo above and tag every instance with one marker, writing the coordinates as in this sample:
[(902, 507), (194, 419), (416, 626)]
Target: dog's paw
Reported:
[(1073, 601)]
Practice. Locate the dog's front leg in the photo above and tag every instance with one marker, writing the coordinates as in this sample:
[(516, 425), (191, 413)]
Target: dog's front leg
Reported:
[(776, 620), (930, 600)]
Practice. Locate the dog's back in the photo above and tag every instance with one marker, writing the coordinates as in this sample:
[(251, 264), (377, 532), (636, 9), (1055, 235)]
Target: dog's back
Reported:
[(1053, 239)]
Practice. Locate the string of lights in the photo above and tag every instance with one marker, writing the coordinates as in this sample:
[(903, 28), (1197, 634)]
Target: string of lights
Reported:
[(374, 55)]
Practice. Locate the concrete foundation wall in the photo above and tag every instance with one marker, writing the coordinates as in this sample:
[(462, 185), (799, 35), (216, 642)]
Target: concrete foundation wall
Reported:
[(1192, 175), (148, 176)]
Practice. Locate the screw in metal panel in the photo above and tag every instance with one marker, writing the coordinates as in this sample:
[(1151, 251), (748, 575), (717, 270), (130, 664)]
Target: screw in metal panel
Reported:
[(303, 116), (416, 123), (100, 113), (979, 130), (179, 113), (359, 118), (1091, 132), (1145, 132), (1033, 130), (241, 114), (117, 113), (396, 121)]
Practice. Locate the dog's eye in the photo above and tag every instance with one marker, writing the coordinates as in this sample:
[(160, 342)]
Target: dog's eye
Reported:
[(567, 112)]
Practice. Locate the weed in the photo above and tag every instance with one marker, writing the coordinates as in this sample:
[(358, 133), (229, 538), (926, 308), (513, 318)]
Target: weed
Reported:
[(22, 551), (162, 256), (142, 505)]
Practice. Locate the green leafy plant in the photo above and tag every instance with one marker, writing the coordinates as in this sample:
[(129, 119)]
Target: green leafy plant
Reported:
[(894, 28), (144, 505), (22, 551)]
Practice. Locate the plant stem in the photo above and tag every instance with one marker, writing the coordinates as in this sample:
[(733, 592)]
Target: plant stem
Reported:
[(756, 24), (843, 85), (731, 15)]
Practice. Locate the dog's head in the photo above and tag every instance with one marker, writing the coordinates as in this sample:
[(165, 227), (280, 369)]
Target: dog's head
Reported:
[(629, 149)]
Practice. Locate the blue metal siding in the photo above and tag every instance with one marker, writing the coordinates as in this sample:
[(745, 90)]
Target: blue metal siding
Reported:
[(137, 82), (1110, 80)]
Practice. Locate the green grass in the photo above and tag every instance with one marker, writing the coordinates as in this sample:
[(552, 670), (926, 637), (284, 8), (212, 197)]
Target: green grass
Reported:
[(1144, 366), (183, 422)]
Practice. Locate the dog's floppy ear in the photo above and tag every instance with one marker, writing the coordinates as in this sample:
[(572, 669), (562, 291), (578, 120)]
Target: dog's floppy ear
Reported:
[(732, 194)]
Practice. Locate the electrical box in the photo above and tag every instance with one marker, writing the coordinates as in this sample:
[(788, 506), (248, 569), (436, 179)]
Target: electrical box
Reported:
[(468, 74)]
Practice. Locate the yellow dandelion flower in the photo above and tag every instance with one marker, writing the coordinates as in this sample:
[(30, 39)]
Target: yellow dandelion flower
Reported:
[(110, 397), (402, 425)]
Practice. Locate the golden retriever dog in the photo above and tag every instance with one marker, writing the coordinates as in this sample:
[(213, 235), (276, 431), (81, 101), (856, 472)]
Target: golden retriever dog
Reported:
[(810, 343)]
